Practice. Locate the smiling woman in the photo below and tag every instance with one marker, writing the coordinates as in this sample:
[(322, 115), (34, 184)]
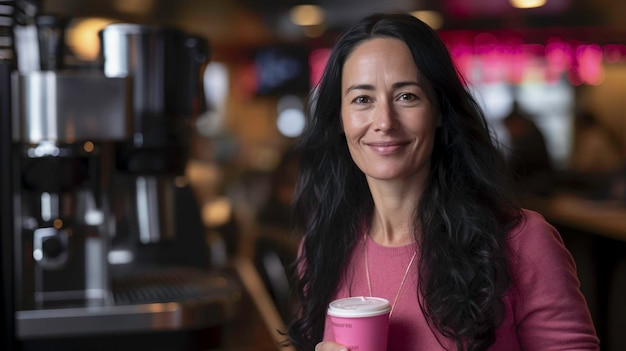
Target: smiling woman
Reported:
[(403, 195)]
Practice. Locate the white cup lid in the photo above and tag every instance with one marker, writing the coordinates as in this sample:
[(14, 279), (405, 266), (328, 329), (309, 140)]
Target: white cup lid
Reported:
[(360, 306)]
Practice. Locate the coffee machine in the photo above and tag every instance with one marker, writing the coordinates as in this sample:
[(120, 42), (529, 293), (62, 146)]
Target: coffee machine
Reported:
[(108, 244)]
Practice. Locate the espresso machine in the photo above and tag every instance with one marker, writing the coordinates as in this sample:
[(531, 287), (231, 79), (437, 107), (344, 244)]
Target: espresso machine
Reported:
[(108, 246)]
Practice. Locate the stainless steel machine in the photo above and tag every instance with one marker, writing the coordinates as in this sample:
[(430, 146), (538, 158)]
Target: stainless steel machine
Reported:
[(107, 244)]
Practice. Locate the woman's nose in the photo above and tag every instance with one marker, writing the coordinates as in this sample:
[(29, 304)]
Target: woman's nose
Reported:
[(384, 118)]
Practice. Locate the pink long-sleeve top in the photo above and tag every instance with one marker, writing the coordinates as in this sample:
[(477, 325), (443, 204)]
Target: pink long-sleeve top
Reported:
[(544, 307)]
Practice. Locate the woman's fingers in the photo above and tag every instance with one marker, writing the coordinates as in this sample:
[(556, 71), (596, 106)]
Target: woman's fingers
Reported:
[(330, 346)]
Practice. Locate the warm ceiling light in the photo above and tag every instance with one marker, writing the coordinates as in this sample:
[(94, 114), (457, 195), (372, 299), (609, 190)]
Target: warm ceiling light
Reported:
[(527, 4), (307, 15), (431, 18), (82, 37)]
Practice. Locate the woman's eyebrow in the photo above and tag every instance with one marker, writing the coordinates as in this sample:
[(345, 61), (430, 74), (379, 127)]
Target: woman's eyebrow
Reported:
[(371, 87), (359, 87), (406, 83)]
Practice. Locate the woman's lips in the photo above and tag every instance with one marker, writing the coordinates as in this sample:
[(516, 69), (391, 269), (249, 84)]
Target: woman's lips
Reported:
[(386, 148)]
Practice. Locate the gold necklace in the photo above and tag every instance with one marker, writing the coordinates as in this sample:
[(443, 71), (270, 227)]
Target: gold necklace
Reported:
[(369, 282)]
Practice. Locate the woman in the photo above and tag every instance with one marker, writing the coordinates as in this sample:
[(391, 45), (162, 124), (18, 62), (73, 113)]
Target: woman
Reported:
[(402, 195)]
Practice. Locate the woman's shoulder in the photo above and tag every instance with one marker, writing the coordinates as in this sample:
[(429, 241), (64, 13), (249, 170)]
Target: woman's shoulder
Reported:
[(531, 223), (534, 238)]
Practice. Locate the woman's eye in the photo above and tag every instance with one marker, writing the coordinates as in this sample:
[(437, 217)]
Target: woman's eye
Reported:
[(407, 97), (361, 100)]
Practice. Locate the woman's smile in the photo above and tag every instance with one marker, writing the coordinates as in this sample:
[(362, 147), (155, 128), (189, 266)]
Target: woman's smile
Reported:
[(387, 147)]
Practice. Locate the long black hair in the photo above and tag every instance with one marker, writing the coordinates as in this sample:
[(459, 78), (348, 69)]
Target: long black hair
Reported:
[(464, 214)]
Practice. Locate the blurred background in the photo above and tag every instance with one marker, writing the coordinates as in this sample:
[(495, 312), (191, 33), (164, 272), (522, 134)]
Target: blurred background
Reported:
[(558, 61), (550, 75)]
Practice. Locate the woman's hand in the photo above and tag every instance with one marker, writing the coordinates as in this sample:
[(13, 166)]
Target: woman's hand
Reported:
[(330, 346)]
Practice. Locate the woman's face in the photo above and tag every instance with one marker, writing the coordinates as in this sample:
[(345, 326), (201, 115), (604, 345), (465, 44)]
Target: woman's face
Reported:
[(387, 115)]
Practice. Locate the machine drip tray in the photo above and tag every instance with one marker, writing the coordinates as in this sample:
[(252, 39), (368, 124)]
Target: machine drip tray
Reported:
[(158, 300)]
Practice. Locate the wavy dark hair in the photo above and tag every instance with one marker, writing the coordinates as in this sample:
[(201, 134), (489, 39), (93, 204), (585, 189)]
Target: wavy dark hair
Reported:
[(465, 212)]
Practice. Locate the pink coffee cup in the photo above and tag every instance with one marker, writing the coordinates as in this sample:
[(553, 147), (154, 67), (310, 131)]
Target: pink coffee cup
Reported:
[(360, 323)]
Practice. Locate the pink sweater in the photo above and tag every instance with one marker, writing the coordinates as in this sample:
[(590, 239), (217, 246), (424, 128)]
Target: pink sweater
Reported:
[(544, 307)]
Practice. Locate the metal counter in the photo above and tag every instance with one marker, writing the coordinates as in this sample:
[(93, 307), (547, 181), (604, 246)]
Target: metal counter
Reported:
[(164, 300)]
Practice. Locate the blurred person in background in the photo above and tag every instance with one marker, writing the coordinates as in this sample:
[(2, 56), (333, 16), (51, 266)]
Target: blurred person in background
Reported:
[(528, 154), (403, 195)]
